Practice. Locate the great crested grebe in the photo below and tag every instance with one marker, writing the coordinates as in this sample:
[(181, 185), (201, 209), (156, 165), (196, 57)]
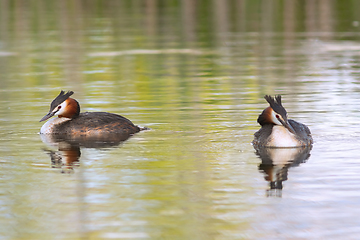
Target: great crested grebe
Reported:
[(71, 122), (279, 131)]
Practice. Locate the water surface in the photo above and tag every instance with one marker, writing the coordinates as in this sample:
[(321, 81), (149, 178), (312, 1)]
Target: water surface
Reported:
[(194, 73)]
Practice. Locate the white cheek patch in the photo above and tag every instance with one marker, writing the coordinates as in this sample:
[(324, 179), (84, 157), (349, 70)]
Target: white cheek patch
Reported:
[(62, 109), (274, 118)]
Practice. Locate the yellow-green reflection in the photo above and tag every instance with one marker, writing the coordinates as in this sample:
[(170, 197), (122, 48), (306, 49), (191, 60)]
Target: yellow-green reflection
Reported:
[(192, 71)]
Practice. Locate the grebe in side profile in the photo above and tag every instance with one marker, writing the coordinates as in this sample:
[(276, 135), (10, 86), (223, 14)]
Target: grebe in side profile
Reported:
[(279, 131), (71, 122)]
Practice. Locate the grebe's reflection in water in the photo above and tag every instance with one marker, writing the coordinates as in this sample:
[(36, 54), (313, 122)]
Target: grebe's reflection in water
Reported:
[(69, 147), (275, 163)]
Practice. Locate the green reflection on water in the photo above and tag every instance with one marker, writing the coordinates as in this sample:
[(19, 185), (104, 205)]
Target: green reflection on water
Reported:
[(194, 72)]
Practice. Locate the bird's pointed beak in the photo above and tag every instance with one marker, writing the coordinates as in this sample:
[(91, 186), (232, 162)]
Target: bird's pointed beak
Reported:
[(47, 116), (288, 126)]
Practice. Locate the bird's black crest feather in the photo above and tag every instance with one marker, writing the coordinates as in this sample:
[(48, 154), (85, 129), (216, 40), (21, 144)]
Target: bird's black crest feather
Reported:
[(275, 104), (60, 99)]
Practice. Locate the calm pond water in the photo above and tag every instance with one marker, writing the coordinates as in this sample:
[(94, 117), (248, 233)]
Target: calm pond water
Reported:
[(195, 73)]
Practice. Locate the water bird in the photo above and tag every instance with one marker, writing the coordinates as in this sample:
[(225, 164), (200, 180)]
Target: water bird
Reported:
[(277, 130), (71, 122)]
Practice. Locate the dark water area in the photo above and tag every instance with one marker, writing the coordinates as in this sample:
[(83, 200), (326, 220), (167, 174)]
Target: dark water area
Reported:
[(195, 73)]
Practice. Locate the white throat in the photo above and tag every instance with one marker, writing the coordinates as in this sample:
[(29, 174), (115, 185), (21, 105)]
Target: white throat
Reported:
[(281, 137), (47, 128)]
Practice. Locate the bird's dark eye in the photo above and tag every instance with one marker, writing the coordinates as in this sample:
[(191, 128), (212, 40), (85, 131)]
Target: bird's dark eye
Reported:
[(59, 107), (277, 116)]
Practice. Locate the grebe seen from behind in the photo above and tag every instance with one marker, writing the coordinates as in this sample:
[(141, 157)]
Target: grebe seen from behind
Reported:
[(73, 123), (279, 131)]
